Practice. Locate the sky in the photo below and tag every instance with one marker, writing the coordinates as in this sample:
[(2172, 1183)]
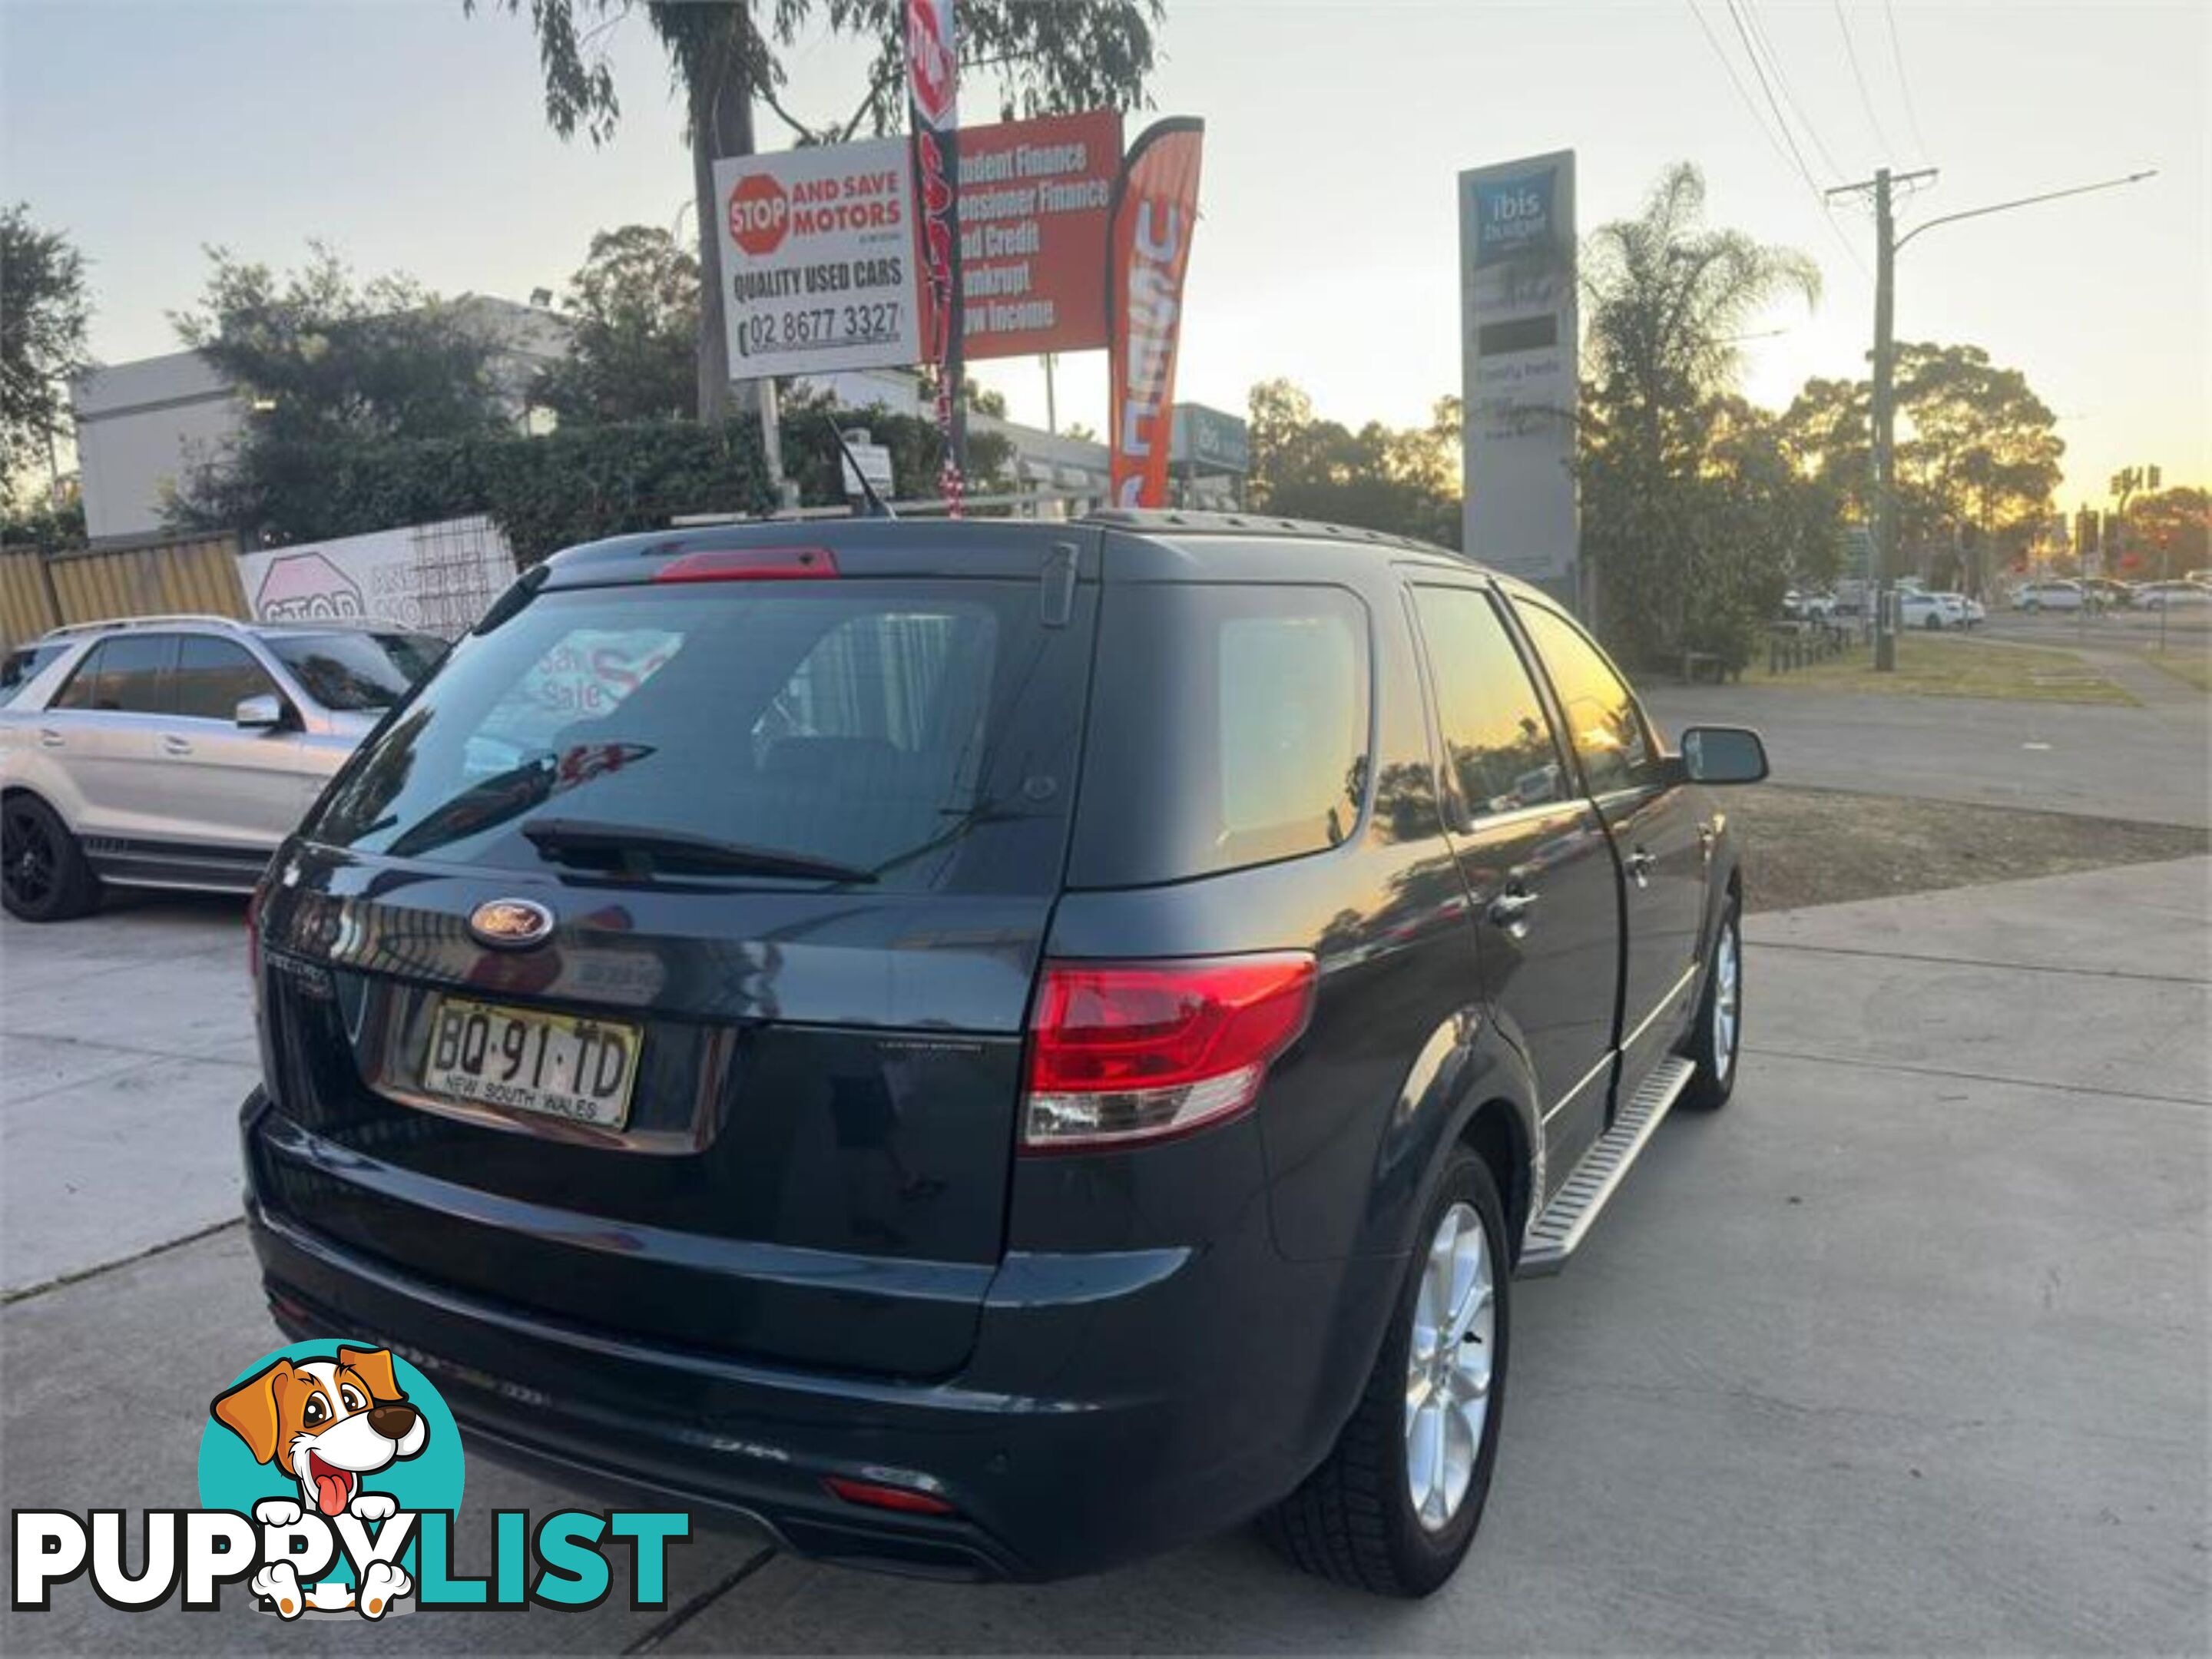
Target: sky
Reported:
[(411, 138)]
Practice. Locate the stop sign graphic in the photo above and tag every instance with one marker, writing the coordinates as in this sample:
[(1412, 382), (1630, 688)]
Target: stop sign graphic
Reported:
[(759, 214)]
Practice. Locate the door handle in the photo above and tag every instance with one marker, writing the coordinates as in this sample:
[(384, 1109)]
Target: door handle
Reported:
[(1638, 864), (49, 739), (174, 745), (1510, 911)]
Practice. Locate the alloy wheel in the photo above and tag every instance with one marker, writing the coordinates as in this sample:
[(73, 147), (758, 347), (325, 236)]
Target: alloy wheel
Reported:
[(1727, 993), (1448, 1367), (26, 857)]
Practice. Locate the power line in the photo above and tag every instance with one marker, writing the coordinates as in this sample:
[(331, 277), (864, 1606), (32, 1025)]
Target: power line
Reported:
[(1904, 81), (1866, 99), (1736, 81), (1788, 92), (1787, 158), (1780, 120)]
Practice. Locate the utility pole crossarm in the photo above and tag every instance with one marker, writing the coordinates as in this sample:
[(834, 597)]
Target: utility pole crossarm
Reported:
[(1895, 179)]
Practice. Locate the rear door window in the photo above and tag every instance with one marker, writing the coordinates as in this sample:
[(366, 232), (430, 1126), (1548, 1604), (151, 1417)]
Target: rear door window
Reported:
[(920, 733), (1502, 750), (215, 676), (1229, 727)]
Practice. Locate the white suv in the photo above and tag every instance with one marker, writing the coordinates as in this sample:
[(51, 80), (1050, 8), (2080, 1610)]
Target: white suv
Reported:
[(2058, 595), (177, 751)]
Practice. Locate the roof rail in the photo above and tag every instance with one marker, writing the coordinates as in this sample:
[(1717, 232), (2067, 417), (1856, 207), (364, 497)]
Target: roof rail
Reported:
[(1188, 523), (69, 629)]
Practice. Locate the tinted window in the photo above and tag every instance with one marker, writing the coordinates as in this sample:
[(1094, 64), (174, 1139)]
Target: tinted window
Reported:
[(84, 681), (357, 670), (1229, 727), (215, 676), (1498, 738), (1607, 727), (127, 674), (923, 732)]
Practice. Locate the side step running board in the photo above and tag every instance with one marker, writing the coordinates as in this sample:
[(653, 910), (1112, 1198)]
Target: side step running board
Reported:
[(1559, 1231)]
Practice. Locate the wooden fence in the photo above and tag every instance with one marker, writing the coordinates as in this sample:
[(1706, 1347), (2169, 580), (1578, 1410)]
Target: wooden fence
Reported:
[(149, 576)]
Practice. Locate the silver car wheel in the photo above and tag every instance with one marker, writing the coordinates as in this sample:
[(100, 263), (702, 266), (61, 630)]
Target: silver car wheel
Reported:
[(1448, 1367), (1727, 993)]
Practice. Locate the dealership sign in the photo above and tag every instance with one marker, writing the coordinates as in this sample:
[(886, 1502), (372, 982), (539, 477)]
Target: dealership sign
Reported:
[(1035, 200), (1208, 441), (817, 259), (1518, 336), (439, 578)]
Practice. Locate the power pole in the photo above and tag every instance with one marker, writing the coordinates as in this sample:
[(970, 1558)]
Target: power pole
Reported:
[(1888, 243), (1885, 407), (721, 110)]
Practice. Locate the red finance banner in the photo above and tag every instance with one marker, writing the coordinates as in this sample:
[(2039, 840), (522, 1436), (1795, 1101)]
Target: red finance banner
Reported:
[(1035, 197)]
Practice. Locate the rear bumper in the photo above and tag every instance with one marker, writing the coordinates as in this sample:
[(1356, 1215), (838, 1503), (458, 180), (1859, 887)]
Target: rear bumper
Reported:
[(1097, 1420)]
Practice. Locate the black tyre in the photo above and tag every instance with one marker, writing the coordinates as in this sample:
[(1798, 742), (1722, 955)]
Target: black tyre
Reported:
[(1397, 1503), (1718, 1034), (1933, 624), (43, 874)]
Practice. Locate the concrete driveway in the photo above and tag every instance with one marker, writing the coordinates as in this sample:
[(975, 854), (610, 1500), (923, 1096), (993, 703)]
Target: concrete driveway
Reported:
[(1906, 1351)]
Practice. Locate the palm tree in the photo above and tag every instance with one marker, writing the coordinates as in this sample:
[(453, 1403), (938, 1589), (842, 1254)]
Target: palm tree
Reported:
[(1667, 299), (1049, 55)]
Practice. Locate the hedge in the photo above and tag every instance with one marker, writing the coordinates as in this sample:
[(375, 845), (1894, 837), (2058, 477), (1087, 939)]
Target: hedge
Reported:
[(547, 492)]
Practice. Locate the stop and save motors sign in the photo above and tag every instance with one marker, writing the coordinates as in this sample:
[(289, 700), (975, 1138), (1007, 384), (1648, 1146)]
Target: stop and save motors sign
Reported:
[(817, 259)]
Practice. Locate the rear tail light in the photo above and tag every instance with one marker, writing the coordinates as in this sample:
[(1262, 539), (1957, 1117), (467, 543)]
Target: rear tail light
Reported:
[(749, 564), (1122, 1053), (875, 1495)]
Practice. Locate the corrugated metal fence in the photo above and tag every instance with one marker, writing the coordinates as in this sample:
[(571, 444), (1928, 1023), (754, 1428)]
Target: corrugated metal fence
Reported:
[(150, 577)]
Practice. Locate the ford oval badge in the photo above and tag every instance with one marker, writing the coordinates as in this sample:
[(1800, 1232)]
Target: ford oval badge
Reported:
[(511, 924)]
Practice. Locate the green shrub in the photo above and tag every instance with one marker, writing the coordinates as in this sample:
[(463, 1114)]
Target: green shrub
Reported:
[(545, 493)]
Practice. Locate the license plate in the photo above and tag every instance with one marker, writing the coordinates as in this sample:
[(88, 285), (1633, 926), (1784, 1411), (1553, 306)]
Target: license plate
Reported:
[(555, 1065)]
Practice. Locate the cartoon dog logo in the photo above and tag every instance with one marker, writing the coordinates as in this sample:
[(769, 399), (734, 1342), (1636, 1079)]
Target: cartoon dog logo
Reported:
[(326, 1423)]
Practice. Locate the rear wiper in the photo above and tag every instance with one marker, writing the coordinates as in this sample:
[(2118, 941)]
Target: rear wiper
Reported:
[(632, 850)]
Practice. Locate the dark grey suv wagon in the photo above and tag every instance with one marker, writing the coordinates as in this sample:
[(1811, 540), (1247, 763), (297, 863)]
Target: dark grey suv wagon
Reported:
[(991, 1048)]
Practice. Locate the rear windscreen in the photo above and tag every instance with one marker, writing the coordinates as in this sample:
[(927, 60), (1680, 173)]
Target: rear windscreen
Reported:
[(922, 734), (1229, 727)]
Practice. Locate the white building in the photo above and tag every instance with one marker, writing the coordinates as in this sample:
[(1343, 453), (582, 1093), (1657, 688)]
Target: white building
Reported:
[(140, 426)]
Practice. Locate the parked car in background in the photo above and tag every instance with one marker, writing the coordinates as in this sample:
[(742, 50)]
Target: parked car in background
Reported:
[(177, 751), (1916, 608), (2108, 593), (971, 1048), (1809, 606), (2055, 594), (1965, 610), (2162, 596)]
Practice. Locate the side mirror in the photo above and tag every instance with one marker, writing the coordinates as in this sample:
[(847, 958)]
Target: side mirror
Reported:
[(263, 713), (1723, 754)]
